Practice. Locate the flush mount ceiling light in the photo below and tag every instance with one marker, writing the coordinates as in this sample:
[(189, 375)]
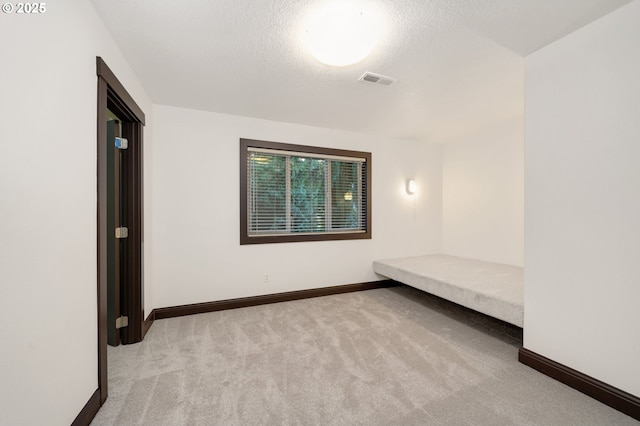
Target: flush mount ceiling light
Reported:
[(343, 32)]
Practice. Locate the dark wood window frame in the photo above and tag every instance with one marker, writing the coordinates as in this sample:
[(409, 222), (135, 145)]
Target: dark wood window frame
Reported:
[(245, 238)]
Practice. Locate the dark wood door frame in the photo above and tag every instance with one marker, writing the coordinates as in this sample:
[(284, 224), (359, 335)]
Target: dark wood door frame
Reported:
[(112, 95)]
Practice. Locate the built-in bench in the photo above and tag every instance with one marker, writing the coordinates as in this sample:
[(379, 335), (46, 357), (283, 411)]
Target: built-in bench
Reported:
[(493, 289)]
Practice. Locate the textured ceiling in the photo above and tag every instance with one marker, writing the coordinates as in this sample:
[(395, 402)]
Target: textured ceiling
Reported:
[(459, 63)]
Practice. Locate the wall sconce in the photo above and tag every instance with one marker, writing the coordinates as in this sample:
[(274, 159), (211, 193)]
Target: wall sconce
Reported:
[(411, 186)]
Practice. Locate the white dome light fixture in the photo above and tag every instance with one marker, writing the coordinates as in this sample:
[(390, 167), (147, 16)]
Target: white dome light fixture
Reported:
[(342, 33)]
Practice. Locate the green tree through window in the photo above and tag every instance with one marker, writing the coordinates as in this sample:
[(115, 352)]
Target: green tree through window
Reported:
[(268, 192), (346, 195), (307, 194)]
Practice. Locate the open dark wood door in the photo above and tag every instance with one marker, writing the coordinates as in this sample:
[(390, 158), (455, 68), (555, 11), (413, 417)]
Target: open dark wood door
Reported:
[(117, 261)]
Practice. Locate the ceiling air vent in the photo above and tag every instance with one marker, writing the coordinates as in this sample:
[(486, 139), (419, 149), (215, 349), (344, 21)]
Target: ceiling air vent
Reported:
[(377, 79)]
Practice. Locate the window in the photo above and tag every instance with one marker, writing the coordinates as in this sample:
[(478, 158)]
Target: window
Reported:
[(302, 193)]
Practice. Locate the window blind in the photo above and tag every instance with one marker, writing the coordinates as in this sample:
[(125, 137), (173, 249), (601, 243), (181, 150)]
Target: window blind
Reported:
[(302, 193)]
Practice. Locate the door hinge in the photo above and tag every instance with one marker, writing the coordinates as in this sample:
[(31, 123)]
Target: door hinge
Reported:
[(122, 322), (122, 143), (122, 232)]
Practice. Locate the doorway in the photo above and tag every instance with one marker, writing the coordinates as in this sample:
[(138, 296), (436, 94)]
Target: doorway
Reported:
[(120, 219)]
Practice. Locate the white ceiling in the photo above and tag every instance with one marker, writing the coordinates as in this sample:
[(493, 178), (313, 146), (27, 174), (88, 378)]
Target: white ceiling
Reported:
[(459, 63)]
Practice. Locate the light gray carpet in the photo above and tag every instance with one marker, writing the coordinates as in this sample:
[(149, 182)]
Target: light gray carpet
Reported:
[(381, 357)]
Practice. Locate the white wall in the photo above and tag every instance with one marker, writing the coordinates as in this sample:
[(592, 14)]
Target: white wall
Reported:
[(582, 226), (483, 195), (197, 254), (48, 354)]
